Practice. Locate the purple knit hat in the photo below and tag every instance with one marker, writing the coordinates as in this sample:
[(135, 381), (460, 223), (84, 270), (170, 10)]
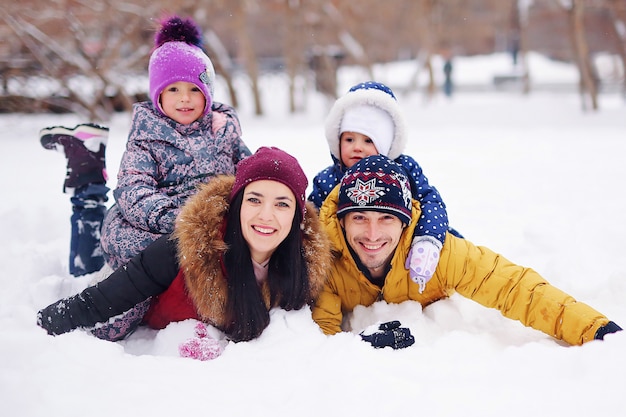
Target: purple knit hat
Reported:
[(179, 57), (276, 165), (376, 183)]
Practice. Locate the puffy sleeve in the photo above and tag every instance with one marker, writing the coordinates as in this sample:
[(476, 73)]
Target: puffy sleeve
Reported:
[(323, 183), (327, 310), (226, 127), (138, 194), (519, 293), (434, 218), (148, 274)]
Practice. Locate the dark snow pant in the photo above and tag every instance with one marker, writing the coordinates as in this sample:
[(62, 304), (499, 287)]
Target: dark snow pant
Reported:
[(88, 212)]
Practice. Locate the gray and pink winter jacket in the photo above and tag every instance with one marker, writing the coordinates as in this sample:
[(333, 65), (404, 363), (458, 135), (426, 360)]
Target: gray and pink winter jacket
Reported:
[(162, 166)]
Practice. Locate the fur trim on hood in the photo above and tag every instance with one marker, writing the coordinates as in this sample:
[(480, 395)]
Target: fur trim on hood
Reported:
[(370, 97), (199, 231)]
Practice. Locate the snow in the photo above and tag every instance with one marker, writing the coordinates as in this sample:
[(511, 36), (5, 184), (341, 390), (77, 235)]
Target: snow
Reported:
[(532, 177)]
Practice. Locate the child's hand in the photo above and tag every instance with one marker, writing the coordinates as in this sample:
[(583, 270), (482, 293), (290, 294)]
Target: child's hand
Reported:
[(423, 259)]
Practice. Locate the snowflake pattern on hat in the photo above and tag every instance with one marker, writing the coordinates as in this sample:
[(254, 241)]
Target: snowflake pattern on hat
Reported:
[(376, 183), (365, 192)]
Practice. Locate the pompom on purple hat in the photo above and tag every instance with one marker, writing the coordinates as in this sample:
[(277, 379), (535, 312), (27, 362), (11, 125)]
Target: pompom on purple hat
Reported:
[(178, 56), (270, 163)]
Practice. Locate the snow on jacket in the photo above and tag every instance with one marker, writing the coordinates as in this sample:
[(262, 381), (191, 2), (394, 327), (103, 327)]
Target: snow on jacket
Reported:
[(184, 274), (162, 166), (434, 218), (473, 271)]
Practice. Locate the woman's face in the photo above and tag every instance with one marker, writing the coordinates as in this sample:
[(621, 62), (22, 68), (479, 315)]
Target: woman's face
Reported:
[(267, 212), (183, 102)]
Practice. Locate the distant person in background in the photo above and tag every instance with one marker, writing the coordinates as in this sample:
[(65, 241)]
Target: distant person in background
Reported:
[(179, 140), (241, 246), (370, 219), (447, 72), (84, 147), (515, 46), (368, 121)]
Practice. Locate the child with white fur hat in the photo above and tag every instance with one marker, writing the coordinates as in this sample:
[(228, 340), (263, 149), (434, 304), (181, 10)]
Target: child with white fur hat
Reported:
[(367, 121)]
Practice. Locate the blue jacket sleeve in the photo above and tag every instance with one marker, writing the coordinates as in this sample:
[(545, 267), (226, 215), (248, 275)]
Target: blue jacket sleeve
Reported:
[(148, 274), (323, 184), (434, 219)]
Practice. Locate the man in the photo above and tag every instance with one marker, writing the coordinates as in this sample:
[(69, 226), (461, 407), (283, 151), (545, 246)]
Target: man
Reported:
[(370, 219)]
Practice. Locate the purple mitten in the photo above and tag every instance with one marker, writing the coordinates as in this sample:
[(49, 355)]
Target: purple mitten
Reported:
[(201, 347), (423, 259)]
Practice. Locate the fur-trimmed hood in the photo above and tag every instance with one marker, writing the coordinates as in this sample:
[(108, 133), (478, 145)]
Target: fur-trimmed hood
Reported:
[(199, 232), (371, 97)]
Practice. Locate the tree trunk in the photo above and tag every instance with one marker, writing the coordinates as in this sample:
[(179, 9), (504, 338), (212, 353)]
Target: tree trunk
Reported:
[(581, 50), (426, 35), (620, 38), (240, 16), (221, 62), (292, 49)]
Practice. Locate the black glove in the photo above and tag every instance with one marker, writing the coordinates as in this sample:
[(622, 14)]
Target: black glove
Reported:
[(390, 334), (610, 327)]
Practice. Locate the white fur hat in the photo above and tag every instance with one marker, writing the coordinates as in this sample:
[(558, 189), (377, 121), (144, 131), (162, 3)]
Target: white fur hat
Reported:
[(377, 96), (372, 122)]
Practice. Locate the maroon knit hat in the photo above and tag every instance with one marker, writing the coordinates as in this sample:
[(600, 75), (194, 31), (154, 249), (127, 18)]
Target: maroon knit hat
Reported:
[(276, 165)]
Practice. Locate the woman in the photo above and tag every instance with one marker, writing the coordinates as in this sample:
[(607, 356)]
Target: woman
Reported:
[(241, 246)]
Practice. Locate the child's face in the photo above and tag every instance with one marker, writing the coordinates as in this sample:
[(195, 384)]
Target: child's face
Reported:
[(182, 102), (354, 147)]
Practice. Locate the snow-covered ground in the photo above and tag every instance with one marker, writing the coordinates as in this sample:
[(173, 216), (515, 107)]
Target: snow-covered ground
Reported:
[(532, 177)]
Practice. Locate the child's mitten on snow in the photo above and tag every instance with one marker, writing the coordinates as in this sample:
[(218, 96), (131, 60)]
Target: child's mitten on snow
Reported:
[(423, 259), (201, 347), (390, 334)]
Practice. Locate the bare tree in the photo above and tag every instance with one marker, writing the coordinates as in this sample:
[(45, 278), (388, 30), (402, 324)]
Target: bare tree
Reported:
[(575, 11), (617, 13), (89, 49), (98, 41), (240, 15), (427, 36), (293, 47), (520, 35)]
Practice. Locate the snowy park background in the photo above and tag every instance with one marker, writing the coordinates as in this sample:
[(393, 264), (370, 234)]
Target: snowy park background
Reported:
[(532, 177)]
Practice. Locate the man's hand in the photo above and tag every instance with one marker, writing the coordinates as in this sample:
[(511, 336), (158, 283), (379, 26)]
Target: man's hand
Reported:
[(390, 334)]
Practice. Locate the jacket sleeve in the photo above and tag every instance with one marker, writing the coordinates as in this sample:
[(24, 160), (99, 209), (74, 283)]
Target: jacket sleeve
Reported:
[(148, 274), (434, 219), (323, 183), (519, 293), (327, 310), (138, 193), (226, 126)]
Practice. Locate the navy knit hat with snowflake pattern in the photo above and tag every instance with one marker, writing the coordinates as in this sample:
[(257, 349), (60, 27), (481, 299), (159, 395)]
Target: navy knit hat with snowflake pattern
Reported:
[(376, 183)]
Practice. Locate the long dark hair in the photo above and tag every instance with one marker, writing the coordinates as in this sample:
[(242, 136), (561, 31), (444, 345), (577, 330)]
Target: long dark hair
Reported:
[(246, 313)]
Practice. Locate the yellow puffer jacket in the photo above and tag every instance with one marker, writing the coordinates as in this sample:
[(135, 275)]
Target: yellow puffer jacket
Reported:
[(473, 271)]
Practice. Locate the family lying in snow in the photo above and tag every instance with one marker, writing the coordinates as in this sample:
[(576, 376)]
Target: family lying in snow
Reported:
[(203, 230)]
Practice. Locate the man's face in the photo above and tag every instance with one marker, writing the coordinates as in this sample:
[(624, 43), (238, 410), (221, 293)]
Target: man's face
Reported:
[(373, 236)]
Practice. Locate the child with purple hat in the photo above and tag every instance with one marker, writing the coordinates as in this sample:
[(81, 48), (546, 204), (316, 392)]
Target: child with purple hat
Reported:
[(179, 140)]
